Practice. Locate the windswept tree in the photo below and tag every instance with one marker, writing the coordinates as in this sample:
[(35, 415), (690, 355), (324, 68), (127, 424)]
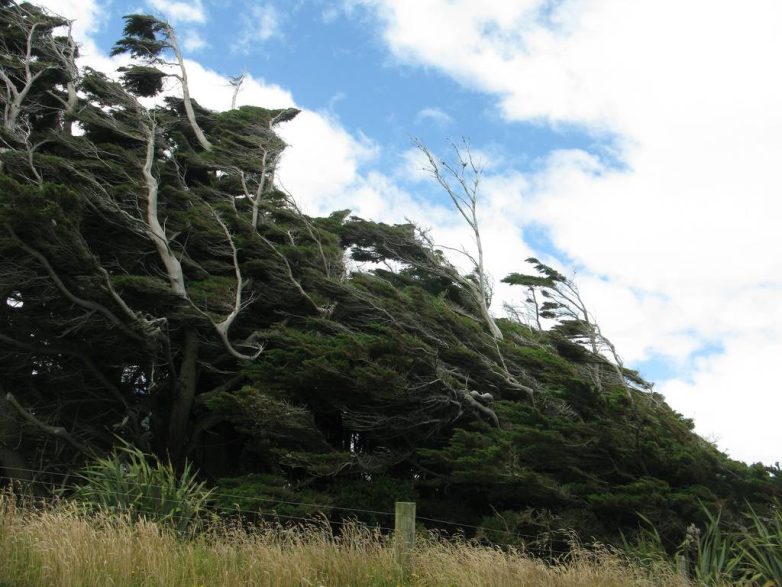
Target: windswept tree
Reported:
[(122, 248), (163, 282), (236, 82), (154, 43), (37, 79), (552, 296), (171, 295), (461, 180)]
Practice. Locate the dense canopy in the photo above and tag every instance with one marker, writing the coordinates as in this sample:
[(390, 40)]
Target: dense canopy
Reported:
[(157, 287)]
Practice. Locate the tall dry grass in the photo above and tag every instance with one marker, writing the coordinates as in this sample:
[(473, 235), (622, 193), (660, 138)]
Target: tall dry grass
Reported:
[(58, 546)]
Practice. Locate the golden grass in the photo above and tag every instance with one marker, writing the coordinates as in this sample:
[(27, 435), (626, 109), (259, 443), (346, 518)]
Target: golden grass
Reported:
[(58, 547)]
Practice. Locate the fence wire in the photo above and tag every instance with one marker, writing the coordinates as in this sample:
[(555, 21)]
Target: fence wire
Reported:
[(274, 515)]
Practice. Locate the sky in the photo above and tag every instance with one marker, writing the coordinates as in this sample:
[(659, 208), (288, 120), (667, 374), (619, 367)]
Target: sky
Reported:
[(634, 145)]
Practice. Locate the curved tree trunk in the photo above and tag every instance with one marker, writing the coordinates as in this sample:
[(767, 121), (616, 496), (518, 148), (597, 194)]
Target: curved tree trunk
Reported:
[(203, 141), (156, 230)]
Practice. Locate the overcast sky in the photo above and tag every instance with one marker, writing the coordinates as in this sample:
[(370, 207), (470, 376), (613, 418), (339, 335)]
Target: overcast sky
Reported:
[(635, 143)]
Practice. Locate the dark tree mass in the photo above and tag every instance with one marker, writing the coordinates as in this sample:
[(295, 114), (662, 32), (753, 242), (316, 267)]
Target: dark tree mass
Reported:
[(157, 288)]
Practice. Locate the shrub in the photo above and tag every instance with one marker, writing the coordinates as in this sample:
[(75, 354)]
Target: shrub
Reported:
[(760, 547), (133, 483)]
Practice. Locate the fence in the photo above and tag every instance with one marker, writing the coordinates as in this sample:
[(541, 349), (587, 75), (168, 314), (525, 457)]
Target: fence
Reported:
[(404, 515)]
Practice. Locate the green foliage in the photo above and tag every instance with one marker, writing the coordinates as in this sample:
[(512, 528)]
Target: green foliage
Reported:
[(170, 294), (271, 422), (143, 80), (715, 561), (646, 547), (372, 494), (133, 483), (144, 36), (547, 364), (745, 550), (760, 546), (268, 496)]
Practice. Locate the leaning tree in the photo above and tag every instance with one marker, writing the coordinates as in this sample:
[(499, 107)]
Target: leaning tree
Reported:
[(154, 278), (156, 286), (137, 257)]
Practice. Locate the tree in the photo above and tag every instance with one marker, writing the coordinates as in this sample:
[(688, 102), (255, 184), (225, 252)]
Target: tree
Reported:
[(461, 181), (563, 303), (90, 225), (37, 64), (236, 83), (150, 40), (175, 298), (148, 275)]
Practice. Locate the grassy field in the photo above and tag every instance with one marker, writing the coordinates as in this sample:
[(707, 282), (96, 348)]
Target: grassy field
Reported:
[(59, 547)]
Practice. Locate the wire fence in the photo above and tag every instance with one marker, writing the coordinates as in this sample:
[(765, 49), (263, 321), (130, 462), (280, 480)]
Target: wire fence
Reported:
[(540, 542), (224, 494), (213, 507)]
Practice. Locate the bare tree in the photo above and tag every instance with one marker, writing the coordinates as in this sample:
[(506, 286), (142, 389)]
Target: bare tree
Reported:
[(236, 83), (461, 181)]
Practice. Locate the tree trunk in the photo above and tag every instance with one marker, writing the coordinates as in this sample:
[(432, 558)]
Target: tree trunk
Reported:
[(204, 142), (261, 189), (493, 328), (156, 230), (12, 464), (184, 394)]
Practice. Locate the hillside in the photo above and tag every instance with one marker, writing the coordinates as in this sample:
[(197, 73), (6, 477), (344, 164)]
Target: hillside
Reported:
[(159, 288)]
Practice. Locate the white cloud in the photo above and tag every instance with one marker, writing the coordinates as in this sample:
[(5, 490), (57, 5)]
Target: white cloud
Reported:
[(322, 161), (725, 396), (334, 100), (434, 115), (193, 40), (179, 11), (412, 167), (261, 23), (268, 22), (684, 236), (88, 15)]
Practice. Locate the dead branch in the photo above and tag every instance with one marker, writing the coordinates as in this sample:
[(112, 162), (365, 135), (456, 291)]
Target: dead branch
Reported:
[(223, 326), (464, 196)]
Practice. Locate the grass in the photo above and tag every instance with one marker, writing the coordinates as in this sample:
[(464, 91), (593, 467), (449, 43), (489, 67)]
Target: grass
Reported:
[(61, 546)]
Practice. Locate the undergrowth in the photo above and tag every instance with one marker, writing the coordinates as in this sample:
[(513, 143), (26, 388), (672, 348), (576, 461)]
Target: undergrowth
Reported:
[(62, 545), (132, 520)]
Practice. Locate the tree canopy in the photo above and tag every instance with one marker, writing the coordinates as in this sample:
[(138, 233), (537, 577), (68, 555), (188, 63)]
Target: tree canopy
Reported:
[(157, 287)]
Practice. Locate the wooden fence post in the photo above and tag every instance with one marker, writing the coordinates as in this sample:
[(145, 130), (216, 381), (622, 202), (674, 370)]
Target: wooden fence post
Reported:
[(681, 566), (404, 533)]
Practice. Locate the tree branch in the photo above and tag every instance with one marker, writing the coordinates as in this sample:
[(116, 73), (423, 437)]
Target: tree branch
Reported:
[(88, 304), (56, 431)]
